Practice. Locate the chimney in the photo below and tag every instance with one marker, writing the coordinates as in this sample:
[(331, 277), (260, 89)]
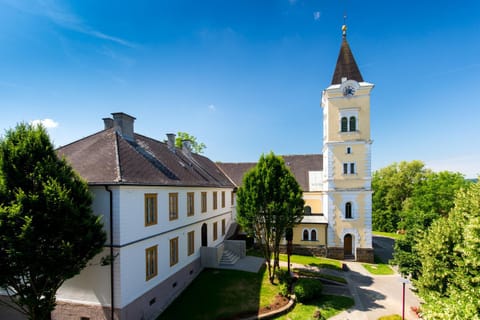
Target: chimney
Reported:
[(171, 141), (108, 122), (123, 124), (187, 147)]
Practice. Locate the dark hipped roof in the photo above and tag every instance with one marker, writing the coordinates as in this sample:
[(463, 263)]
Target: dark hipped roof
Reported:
[(300, 165), (346, 66), (107, 158)]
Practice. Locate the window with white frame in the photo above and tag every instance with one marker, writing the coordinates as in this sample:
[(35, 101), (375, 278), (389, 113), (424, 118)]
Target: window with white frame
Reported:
[(313, 235), (349, 168), (348, 120), (305, 235)]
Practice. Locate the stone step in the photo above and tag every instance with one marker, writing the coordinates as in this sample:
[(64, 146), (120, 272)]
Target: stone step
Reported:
[(228, 258)]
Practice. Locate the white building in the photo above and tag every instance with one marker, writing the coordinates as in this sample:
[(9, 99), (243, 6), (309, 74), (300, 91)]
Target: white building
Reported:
[(160, 205)]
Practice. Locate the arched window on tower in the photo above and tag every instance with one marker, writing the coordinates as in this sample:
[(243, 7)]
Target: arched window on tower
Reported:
[(353, 124), (348, 210), (313, 235), (344, 124), (305, 235), (307, 210)]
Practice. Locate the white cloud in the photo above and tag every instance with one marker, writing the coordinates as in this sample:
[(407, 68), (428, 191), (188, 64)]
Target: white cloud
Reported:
[(52, 10), (316, 15), (47, 123), (211, 107)]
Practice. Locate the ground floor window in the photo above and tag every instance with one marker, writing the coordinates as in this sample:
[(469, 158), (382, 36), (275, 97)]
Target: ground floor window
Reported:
[(151, 262), (173, 251)]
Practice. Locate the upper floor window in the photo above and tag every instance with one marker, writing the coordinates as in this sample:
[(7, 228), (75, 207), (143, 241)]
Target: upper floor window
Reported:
[(307, 210), (204, 202), (173, 206), (150, 209), (190, 203), (348, 210), (232, 197), (349, 168), (215, 200), (151, 262), (352, 124), (349, 150), (349, 120), (344, 124), (223, 199)]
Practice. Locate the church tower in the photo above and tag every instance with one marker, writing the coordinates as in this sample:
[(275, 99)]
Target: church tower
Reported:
[(347, 191)]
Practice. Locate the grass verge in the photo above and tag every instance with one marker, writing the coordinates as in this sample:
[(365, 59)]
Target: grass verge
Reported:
[(313, 261), (378, 269), (392, 235)]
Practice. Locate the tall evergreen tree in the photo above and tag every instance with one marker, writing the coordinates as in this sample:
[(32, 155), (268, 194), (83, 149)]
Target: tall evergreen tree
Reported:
[(48, 232), (269, 201)]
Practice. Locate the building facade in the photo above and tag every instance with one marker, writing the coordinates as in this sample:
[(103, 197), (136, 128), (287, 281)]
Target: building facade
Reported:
[(160, 204)]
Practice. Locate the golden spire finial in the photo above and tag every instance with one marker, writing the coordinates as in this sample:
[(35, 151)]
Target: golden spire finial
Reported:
[(344, 27)]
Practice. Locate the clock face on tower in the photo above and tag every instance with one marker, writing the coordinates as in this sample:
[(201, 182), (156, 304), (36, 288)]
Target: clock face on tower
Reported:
[(349, 88), (348, 91)]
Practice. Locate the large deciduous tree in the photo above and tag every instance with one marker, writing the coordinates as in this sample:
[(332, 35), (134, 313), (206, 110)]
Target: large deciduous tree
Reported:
[(268, 202), (48, 232), (449, 279), (432, 197)]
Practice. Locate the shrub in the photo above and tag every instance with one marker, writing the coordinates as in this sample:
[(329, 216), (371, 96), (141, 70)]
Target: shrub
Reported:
[(307, 289), (284, 276)]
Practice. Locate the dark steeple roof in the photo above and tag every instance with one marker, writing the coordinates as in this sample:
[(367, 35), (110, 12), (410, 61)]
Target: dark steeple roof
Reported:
[(346, 66)]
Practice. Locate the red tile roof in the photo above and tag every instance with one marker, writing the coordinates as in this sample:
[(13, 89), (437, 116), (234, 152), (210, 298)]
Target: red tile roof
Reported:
[(300, 165)]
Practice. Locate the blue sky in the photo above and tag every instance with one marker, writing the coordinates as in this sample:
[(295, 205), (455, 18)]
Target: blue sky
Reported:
[(245, 77)]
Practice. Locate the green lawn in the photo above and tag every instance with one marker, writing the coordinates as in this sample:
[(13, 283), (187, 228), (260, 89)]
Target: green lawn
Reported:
[(392, 235), (327, 305), (221, 294), (313, 261), (378, 269)]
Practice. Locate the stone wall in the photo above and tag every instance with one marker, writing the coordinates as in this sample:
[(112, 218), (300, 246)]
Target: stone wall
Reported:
[(306, 251), (335, 253), (365, 255)]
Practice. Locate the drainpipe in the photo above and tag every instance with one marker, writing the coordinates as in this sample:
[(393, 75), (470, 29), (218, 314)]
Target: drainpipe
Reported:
[(111, 255)]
